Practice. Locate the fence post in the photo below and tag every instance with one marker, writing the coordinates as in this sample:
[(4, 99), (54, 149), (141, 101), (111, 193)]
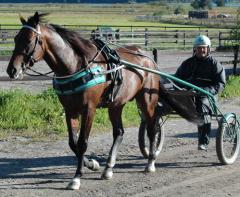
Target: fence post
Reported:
[(146, 38), (177, 36), (219, 39), (155, 55), (132, 33), (235, 61), (184, 39)]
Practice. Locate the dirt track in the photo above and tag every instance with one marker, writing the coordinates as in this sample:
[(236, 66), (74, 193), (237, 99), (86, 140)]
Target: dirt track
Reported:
[(45, 168)]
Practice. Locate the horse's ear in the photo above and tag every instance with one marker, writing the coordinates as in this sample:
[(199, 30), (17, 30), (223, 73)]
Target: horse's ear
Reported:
[(36, 18), (23, 21)]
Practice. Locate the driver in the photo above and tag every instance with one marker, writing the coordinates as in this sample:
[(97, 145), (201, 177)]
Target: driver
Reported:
[(207, 73)]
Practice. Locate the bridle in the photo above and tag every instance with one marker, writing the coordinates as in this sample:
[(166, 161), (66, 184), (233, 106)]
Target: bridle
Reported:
[(29, 59)]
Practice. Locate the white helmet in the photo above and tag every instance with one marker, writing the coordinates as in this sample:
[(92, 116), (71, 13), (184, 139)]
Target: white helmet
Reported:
[(202, 40)]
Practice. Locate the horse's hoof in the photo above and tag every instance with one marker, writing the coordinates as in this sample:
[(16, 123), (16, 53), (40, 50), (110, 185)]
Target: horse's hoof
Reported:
[(95, 165), (107, 174), (74, 184), (150, 168)]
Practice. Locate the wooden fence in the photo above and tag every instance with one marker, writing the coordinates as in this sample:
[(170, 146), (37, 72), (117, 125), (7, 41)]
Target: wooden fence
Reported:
[(147, 38)]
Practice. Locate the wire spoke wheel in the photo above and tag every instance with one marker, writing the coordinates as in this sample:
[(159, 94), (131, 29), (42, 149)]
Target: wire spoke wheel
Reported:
[(227, 140)]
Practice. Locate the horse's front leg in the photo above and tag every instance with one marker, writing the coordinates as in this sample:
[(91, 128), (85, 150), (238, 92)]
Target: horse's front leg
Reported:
[(116, 120), (73, 134), (82, 142)]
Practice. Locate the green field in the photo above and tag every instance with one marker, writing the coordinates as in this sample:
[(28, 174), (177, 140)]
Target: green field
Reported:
[(77, 14), (92, 14)]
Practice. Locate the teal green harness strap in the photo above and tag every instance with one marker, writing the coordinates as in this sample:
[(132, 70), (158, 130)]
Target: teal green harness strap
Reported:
[(79, 81)]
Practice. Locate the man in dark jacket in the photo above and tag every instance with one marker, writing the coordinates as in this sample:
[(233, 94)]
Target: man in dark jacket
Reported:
[(206, 72)]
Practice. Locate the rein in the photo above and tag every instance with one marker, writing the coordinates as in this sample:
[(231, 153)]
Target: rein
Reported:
[(38, 73)]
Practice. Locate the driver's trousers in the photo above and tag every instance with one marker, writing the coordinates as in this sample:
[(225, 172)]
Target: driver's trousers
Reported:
[(204, 109)]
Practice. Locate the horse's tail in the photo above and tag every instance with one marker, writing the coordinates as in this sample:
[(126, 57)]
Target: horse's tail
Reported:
[(182, 103)]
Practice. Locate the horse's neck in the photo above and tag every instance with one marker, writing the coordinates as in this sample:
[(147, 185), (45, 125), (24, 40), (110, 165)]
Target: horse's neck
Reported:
[(61, 58)]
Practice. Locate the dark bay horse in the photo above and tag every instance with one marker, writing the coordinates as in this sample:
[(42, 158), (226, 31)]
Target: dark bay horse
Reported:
[(67, 53)]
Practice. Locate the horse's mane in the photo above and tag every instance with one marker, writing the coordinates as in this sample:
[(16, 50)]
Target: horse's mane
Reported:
[(80, 45), (73, 39)]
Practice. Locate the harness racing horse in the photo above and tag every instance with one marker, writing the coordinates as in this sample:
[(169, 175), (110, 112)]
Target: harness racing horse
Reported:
[(78, 60)]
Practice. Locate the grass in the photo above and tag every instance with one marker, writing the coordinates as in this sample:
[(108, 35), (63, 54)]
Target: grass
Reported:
[(103, 14), (77, 14), (41, 116), (232, 89), (92, 14)]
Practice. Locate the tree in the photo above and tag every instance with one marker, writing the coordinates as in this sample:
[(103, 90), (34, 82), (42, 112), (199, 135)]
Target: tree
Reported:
[(235, 31), (179, 10), (161, 2), (132, 1), (201, 4), (235, 38), (220, 3)]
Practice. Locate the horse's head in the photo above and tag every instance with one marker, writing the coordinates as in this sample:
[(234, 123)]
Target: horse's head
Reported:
[(28, 47)]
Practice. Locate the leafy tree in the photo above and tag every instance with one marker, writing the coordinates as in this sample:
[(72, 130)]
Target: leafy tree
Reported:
[(220, 3), (179, 10), (201, 4), (132, 1), (235, 38), (161, 2), (235, 31)]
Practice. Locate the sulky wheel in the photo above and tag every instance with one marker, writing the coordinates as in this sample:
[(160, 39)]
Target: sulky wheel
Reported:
[(143, 140), (227, 139)]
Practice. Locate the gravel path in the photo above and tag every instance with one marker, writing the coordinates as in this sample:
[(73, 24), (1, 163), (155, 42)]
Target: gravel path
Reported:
[(45, 168)]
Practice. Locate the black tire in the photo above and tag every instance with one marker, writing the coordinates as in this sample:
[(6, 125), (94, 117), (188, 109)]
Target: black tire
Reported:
[(143, 140), (227, 139)]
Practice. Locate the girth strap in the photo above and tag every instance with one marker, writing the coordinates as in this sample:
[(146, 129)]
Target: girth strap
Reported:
[(79, 82)]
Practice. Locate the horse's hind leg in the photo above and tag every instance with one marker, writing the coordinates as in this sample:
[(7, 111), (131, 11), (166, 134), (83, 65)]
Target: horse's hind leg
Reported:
[(116, 120), (73, 130), (152, 145), (148, 110)]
